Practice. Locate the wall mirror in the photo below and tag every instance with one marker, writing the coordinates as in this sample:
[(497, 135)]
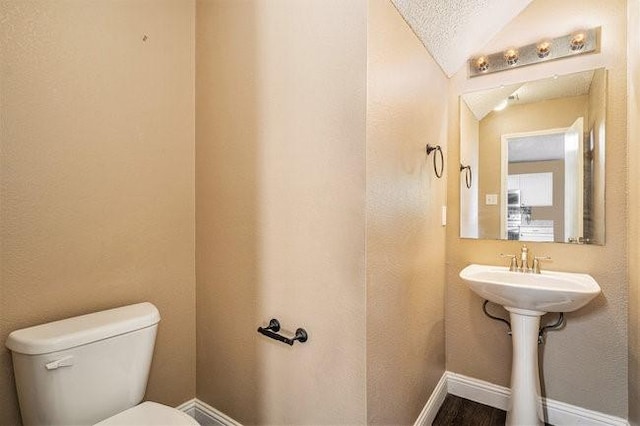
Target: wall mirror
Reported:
[(537, 156)]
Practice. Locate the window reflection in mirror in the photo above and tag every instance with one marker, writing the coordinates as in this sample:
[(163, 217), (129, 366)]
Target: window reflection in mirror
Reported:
[(538, 160)]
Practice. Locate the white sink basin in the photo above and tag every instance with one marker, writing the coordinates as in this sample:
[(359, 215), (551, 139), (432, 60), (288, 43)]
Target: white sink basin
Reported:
[(548, 291)]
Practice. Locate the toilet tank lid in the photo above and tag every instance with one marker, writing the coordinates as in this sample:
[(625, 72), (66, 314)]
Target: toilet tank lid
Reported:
[(71, 332)]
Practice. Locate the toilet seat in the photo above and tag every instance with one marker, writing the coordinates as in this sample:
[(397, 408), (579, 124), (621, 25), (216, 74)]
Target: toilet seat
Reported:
[(150, 414)]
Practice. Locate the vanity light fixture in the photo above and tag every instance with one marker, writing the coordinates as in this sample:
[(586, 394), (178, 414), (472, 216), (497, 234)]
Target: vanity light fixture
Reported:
[(547, 49)]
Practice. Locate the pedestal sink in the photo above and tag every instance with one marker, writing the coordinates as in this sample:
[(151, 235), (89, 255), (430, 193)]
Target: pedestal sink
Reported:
[(528, 296)]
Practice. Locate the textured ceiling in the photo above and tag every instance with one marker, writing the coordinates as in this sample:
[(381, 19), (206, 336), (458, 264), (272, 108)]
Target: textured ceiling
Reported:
[(563, 86), (483, 102), (536, 148), (454, 30)]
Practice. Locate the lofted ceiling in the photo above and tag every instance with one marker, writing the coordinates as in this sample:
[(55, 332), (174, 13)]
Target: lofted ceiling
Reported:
[(483, 102), (454, 30)]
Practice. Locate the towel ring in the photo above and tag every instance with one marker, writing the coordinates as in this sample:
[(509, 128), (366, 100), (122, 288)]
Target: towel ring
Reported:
[(468, 178), (430, 149)]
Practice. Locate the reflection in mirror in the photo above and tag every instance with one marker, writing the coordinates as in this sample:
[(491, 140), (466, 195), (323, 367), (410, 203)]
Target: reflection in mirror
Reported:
[(537, 151)]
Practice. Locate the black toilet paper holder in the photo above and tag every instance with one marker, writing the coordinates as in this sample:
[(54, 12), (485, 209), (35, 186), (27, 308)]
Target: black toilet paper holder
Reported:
[(272, 329)]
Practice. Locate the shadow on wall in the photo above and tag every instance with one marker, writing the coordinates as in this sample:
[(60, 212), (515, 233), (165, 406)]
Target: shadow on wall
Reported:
[(227, 210)]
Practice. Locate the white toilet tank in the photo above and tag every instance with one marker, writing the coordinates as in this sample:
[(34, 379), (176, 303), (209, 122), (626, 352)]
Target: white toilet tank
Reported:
[(84, 369)]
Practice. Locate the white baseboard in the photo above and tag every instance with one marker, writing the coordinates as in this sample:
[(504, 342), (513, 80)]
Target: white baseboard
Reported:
[(206, 415), (478, 390), (556, 412), (188, 407), (430, 410)]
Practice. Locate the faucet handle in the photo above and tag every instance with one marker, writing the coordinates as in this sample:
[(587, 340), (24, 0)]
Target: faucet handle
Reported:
[(536, 263), (513, 264)]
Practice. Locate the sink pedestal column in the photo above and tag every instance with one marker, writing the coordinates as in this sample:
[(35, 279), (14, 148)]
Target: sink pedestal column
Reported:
[(525, 407)]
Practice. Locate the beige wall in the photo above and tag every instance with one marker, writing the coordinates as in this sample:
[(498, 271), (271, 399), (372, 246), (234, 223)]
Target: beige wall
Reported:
[(407, 96), (281, 109), (633, 235), (97, 171), (549, 114), (584, 364), (97, 203)]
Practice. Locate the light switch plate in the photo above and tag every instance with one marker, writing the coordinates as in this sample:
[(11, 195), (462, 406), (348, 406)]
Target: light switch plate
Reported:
[(491, 199)]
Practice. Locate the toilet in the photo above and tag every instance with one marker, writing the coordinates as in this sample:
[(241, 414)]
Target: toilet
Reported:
[(91, 369)]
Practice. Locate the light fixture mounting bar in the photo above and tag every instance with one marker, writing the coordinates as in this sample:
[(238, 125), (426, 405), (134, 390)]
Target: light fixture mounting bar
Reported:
[(576, 43)]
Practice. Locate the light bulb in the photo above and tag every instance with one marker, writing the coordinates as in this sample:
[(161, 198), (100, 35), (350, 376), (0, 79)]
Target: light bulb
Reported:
[(502, 105), (511, 56), (482, 64), (578, 41), (543, 49)]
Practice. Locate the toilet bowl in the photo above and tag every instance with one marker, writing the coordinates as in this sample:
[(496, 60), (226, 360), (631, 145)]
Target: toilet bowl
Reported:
[(90, 369)]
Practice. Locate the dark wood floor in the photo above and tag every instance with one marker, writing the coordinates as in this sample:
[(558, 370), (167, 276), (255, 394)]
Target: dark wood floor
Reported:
[(461, 412)]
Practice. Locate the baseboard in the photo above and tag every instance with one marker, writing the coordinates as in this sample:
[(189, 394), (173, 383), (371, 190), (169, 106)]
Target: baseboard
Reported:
[(478, 390), (188, 407), (206, 415), (430, 410), (560, 413), (556, 412)]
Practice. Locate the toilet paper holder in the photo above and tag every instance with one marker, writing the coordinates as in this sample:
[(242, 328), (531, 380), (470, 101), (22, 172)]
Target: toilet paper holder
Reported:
[(272, 329)]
